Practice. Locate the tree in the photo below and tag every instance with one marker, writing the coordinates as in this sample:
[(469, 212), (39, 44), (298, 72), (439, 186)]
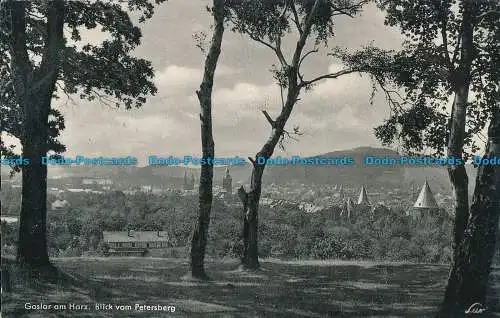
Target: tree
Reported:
[(267, 22), (40, 59), (199, 239), (451, 51)]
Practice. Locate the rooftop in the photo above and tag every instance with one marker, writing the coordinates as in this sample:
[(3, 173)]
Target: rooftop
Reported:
[(135, 236)]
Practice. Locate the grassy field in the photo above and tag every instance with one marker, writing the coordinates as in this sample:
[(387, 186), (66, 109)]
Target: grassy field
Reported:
[(280, 289)]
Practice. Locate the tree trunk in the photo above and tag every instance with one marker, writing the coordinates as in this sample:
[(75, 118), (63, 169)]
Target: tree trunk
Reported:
[(460, 83), (457, 173), (244, 199), (34, 89), (468, 279), (251, 220), (32, 241), (199, 239), (250, 258), (251, 205)]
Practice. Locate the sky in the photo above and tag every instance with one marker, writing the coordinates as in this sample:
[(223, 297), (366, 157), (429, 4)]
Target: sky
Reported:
[(336, 115)]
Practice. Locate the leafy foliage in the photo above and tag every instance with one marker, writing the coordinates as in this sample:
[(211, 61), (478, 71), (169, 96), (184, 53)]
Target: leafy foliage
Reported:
[(287, 233), (107, 71), (433, 64)]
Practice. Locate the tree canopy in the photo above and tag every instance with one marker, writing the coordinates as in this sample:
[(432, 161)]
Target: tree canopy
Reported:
[(107, 71), (435, 61)]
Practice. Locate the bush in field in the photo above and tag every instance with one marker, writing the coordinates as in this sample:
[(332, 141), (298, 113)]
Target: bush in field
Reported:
[(329, 247), (398, 249)]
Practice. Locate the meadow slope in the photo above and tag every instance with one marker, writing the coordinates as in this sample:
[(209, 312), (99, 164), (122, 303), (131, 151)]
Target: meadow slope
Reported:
[(280, 289)]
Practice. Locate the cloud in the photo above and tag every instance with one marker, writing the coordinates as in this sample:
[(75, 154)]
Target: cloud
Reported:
[(244, 101), (174, 76), (346, 86), (177, 77)]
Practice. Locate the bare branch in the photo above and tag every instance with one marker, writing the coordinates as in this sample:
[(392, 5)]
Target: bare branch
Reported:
[(252, 161), (388, 94), (279, 53), (290, 135), (284, 10), (269, 119), (331, 75), (296, 20), (305, 55), (276, 49), (308, 22), (69, 98), (345, 10), (106, 100)]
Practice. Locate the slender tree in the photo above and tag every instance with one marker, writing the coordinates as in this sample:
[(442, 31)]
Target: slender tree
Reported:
[(451, 53), (200, 234), (268, 22), (42, 58)]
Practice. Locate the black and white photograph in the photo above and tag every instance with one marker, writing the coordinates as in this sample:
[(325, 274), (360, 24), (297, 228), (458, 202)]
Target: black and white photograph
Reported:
[(250, 158)]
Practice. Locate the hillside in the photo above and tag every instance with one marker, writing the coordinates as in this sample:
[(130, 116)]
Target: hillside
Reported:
[(280, 289)]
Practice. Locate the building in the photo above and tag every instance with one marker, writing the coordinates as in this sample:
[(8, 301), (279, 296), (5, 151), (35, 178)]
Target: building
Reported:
[(135, 243), (425, 202), (59, 204), (188, 182), (227, 183), (101, 183), (363, 198)]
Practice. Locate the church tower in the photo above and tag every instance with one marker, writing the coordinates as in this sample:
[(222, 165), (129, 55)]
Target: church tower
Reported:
[(188, 183), (227, 183), (363, 198), (425, 202)]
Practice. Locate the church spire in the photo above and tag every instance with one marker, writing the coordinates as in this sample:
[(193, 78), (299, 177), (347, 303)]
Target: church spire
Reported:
[(363, 197), (426, 199)]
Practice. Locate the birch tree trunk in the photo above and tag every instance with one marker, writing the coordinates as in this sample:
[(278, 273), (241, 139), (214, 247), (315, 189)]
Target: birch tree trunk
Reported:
[(468, 280), (460, 83), (200, 234)]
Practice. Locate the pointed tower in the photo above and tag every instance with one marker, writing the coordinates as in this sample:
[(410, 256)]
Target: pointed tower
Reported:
[(193, 181), (426, 199), (188, 184), (227, 182), (363, 197), (185, 184), (341, 192)]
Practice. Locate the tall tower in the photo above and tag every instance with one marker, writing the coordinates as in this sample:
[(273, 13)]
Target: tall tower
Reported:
[(425, 201), (363, 197), (188, 183), (193, 181), (227, 183)]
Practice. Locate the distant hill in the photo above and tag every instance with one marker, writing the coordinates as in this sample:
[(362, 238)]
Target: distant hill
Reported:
[(349, 175)]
